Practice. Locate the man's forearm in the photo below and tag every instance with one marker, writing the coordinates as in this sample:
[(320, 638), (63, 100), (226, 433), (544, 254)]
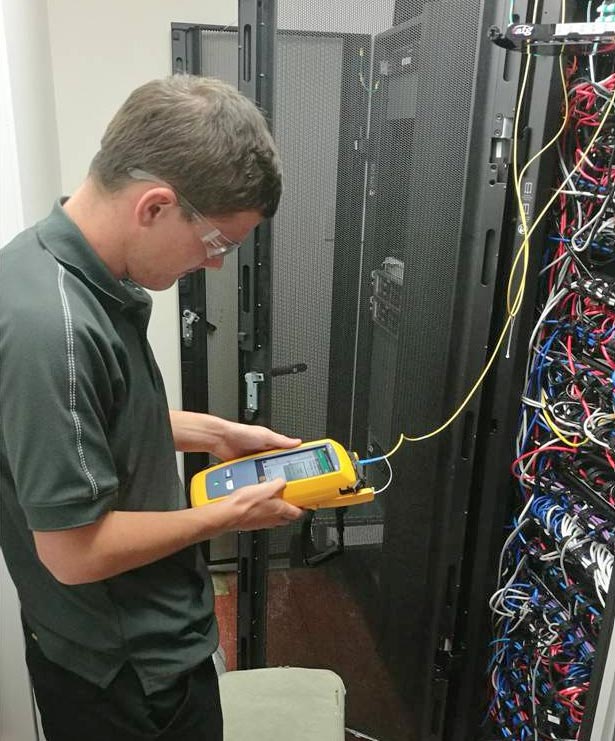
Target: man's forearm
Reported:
[(122, 541), (194, 432)]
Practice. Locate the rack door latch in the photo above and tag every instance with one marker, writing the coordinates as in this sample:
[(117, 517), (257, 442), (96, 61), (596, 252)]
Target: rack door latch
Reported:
[(189, 318), (253, 378)]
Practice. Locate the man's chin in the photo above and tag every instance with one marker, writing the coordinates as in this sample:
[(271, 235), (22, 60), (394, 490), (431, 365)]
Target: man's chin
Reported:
[(160, 285)]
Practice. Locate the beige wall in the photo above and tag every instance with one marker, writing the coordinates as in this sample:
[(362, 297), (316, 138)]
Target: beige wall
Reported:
[(101, 50)]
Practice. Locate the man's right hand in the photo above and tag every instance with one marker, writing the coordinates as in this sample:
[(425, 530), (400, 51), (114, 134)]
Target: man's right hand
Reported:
[(258, 507)]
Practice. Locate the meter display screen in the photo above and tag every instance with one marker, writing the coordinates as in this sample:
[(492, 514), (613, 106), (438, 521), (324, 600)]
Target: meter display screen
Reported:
[(302, 464)]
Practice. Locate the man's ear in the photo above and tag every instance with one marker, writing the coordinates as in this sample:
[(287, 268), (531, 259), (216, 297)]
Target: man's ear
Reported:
[(154, 204)]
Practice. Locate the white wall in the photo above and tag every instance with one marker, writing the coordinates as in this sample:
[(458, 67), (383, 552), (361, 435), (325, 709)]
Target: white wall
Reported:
[(101, 50), (29, 64), (30, 180)]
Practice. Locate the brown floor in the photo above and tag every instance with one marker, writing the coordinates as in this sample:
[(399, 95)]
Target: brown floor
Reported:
[(315, 621)]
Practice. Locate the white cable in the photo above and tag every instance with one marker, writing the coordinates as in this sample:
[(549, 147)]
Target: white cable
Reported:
[(388, 483), (529, 462), (565, 424), (498, 597), (563, 257), (358, 734), (587, 194), (545, 313)]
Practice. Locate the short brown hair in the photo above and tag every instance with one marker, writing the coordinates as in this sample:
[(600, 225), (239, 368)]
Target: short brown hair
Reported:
[(201, 136)]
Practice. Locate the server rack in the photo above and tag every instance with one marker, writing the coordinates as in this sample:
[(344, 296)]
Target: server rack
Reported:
[(492, 481), (491, 503), (450, 235), (315, 341)]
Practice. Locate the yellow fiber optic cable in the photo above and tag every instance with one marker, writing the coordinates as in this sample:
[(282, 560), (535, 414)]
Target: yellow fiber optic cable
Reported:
[(556, 429)]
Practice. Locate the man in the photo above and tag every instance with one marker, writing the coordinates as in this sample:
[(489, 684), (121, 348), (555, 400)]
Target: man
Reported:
[(117, 608)]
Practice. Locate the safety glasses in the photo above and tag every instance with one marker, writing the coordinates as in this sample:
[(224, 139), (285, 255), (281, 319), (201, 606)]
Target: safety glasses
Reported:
[(214, 241)]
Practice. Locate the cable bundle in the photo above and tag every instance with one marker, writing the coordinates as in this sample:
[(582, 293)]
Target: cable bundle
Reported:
[(541, 663), (556, 564)]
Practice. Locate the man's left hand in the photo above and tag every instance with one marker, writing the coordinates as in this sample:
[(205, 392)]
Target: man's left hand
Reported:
[(239, 440)]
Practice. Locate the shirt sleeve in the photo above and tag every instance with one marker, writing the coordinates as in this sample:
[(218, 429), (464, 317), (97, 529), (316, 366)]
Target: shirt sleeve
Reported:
[(58, 385)]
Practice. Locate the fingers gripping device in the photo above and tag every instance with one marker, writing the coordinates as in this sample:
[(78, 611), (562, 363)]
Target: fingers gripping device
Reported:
[(318, 475)]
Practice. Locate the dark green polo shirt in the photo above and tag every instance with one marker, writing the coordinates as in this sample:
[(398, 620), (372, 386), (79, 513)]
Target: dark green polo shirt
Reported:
[(84, 429)]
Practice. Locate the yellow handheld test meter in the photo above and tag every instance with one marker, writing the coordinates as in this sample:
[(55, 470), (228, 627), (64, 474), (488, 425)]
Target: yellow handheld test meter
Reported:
[(318, 474)]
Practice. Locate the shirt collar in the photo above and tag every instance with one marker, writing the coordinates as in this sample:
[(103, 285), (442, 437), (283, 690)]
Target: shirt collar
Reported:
[(59, 234)]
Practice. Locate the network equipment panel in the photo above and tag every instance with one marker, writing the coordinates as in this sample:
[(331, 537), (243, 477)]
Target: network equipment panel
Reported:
[(555, 568)]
